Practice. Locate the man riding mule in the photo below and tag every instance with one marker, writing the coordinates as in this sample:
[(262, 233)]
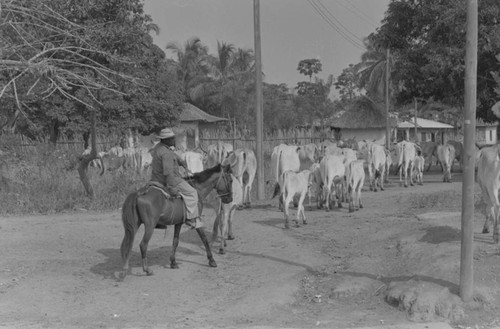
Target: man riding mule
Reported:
[(165, 170), (150, 206)]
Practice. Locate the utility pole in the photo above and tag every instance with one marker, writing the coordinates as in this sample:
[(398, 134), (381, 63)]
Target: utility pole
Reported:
[(387, 74), (258, 102), (467, 247), (416, 110)]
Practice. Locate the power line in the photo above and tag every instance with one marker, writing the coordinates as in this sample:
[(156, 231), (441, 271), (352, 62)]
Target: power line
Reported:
[(356, 38), (332, 24), (358, 12)]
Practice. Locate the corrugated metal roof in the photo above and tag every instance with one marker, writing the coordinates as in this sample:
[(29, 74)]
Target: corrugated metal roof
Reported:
[(189, 112), (424, 123)]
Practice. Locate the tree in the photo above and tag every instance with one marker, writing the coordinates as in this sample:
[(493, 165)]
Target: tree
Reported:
[(371, 71), (83, 57), (313, 96), (428, 40), (348, 83), (309, 67)]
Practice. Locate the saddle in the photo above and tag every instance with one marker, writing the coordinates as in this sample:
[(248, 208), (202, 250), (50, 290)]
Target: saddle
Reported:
[(168, 192)]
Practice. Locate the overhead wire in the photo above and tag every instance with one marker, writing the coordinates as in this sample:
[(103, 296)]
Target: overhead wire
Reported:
[(355, 42), (355, 37), (358, 12)]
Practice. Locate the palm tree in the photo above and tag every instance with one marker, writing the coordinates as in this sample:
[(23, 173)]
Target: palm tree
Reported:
[(372, 69), (192, 63)]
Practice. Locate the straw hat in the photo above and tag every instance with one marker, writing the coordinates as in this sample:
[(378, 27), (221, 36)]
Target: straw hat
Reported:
[(166, 133)]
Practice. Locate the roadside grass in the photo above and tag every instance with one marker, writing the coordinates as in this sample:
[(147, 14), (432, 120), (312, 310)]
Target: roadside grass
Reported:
[(48, 182)]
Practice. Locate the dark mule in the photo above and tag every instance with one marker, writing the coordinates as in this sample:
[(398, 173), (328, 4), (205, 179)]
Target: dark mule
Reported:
[(154, 210)]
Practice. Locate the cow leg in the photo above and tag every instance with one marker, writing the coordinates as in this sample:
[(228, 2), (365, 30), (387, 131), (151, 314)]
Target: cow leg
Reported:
[(411, 176), (382, 174), (486, 226), (327, 198), (300, 210), (230, 235), (286, 203)]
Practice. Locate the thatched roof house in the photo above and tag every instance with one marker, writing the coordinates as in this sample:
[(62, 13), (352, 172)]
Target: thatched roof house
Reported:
[(192, 119), (362, 119), (190, 113)]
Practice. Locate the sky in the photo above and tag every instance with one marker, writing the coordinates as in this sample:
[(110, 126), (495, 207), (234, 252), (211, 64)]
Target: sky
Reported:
[(291, 30)]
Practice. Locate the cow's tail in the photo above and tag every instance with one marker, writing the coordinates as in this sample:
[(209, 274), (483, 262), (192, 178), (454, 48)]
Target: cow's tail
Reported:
[(276, 190), (102, 166)]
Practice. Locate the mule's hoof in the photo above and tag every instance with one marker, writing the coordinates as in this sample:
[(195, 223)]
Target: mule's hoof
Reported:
[(222, 251), (230, 237), (212, 263)]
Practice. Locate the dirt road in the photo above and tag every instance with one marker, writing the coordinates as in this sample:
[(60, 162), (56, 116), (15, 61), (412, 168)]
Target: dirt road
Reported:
[(60, 271)]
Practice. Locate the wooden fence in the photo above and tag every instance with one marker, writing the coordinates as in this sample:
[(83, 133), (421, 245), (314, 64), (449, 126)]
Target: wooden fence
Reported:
[(238, 139), (270, 139)]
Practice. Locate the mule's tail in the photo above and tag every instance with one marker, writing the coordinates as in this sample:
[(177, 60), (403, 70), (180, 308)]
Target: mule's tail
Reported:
[(130, 219)]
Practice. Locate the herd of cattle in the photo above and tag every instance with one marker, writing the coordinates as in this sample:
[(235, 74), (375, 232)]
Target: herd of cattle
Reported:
[(332, 172)]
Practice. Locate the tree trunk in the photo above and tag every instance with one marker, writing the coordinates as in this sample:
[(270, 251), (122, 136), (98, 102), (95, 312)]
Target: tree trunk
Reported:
[(83, 167), (54, 133), (86, 136)]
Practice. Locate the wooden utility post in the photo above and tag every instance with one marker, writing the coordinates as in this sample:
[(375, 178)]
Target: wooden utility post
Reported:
[(467, 249), (416, 112), (258, 102), (387, 77)]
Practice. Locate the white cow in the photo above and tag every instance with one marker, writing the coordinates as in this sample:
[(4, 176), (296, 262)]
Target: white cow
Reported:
[(216, 153), (194, 160), (244, 166), (446, 156), (332, 171), (407, 152), (295, 184), (223, 222), (308, 154), (377, 164), (316, 186), (418, 169), (355, 178), (284, 157), (488, 178)]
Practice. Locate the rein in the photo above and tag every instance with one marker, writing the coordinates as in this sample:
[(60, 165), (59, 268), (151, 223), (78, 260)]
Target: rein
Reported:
[(222, 176)]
